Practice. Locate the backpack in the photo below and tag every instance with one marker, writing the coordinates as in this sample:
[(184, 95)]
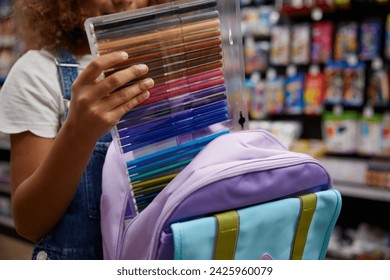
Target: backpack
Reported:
[(243, 196)]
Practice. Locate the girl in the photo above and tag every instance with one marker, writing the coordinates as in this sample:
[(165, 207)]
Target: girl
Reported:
[(57, 153)]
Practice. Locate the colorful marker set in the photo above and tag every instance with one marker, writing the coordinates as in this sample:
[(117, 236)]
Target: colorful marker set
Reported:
[(193, 51), (159, 165)]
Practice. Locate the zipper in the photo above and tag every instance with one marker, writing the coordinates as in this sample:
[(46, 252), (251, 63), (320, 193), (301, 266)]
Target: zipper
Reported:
[(231, 171)]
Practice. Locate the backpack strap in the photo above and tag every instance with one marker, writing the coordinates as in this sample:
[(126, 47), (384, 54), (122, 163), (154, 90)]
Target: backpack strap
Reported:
[(227, 233), (67, 73), (228, 229), (308, 207)]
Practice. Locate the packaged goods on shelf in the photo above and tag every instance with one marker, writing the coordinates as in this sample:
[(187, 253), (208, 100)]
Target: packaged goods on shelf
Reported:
[(341, 132)]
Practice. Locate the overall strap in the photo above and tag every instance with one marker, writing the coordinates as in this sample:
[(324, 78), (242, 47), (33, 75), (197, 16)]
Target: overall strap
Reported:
[(67, 74)]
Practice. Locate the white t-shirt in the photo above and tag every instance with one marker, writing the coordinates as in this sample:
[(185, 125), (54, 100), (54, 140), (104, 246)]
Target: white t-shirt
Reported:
[(31, 98)]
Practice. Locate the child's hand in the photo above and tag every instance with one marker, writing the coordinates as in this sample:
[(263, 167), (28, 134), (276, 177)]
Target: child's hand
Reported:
[(98, 104)]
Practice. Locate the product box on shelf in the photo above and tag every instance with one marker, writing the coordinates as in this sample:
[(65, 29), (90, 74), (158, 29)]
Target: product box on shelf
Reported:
[(341, 132)]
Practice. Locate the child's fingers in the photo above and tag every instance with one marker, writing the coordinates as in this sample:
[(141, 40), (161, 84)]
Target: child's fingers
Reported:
[(130, 97), (125, 95), (116, 80), (122, 109), (94, 70), (138, 99)]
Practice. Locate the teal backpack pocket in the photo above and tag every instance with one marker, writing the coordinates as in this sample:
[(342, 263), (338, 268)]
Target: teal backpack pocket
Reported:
[(290, 228)]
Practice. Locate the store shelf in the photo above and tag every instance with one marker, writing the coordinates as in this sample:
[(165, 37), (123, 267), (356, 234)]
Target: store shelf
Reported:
[(5, 188), (7, 227), (363, 191), (4, 145), (6, 221)]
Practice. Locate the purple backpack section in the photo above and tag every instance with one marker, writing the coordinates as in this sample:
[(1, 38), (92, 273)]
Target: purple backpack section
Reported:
[(235, 170)]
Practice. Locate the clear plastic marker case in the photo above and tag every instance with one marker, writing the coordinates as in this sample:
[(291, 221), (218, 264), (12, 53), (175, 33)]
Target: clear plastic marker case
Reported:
[(193, 49)]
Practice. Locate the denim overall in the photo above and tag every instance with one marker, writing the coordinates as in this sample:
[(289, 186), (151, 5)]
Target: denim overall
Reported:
[(77, 235)]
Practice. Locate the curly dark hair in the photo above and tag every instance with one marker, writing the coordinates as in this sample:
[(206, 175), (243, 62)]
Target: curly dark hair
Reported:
[(54, 23)]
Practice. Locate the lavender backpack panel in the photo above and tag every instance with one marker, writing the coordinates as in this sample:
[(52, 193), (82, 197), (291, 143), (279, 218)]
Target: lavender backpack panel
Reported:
[(235, 170)]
